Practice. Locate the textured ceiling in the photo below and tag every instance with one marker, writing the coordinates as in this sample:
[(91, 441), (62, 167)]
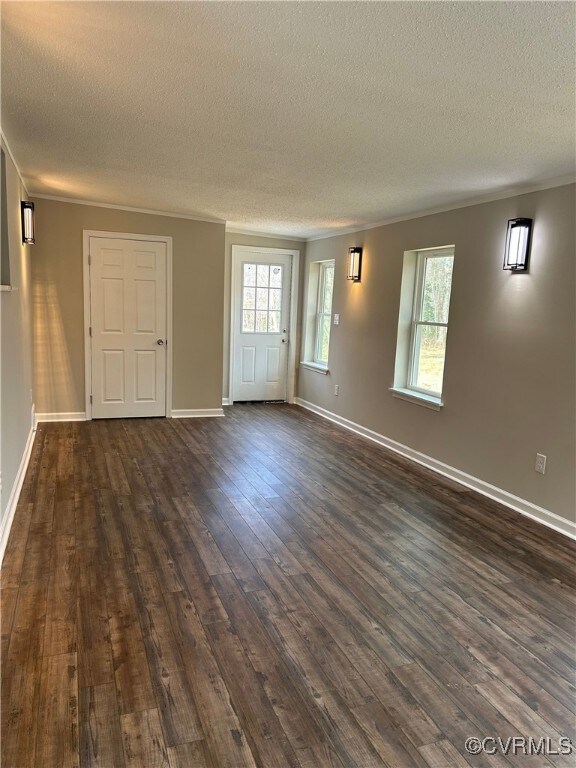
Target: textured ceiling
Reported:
[(291, 117)]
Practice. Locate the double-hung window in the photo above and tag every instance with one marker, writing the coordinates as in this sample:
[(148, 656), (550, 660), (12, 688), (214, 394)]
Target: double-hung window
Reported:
[(323, 312), (430, 321)]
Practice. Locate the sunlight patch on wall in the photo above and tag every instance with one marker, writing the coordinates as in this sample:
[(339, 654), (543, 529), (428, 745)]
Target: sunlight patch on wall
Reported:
[(52, 359)]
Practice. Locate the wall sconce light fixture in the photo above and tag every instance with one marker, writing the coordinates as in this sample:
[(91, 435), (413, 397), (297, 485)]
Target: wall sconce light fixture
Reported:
[(518, 237), (354, 264), (27, 211)]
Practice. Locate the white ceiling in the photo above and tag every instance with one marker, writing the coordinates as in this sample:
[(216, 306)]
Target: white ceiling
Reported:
[(297, 118)]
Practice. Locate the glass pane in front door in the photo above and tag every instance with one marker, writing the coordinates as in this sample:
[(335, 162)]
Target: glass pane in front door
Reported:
[(261, 298)]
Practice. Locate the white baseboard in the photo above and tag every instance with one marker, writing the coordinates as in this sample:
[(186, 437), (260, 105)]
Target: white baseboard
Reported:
[(175, 414), (10, 510), (73, 416), (226, 401), (541, 515), (197, 413)]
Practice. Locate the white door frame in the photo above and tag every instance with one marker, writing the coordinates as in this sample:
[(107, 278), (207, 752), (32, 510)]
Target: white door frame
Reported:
[(87, 234), (238, 252)]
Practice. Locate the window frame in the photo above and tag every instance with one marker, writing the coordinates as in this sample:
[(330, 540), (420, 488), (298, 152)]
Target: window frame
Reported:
[(417, 322), (323, 267)]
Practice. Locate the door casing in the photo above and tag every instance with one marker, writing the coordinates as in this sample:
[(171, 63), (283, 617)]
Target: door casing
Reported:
[(87, 234), (240, 252)]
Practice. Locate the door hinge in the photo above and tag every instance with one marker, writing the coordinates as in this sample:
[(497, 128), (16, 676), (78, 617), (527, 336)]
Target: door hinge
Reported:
[(90, 399), (90, 330), (89, 259)]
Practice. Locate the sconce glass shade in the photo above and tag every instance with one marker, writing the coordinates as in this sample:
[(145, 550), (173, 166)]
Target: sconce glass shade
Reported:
[(27, 211), (354, 264), (518, 237)]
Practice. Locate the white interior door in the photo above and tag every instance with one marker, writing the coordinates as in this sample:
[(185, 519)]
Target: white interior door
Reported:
[(128, 327), (261, 323)]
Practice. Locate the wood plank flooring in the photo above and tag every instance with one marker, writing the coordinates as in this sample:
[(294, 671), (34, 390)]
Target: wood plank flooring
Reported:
[(270, 590)]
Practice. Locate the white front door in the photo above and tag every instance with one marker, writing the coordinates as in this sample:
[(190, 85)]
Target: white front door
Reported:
[(128, 327), (260, 325)]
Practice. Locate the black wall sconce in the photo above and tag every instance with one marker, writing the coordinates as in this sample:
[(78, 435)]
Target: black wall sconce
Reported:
[(354, 264), (518, 238), (27, 212)]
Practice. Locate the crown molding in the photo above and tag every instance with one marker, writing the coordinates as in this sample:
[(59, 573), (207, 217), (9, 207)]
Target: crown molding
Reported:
[(130, 209), (559, 181), (487, 198), (11, 154), (256, 233)]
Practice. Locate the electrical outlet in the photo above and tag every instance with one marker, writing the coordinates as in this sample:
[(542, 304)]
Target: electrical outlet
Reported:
[(540, 465), (336, 319), (336, 389)]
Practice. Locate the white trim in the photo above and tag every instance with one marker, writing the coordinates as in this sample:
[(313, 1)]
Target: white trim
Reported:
[(15, 163), (559, 181), (418, 398), (264, 249), (87, 315), (86, 235), (169, 325), (271, 235), (197, 413), (422, 257), (237, 252), (71, 416), (226, 401), (526, 508), (8, 288), (489, 197), (10, 510), (128, 208), (294, 303), (317, 367)]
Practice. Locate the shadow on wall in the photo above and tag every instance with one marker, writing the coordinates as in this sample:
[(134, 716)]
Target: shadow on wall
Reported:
[(52, 360)]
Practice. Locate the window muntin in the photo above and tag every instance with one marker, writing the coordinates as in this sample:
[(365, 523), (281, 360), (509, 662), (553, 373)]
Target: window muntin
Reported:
[(261, 298), (430, 321), (324, 312)]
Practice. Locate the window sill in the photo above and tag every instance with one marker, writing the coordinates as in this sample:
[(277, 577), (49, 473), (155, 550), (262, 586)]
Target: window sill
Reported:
[(419, 398), (315, 367)]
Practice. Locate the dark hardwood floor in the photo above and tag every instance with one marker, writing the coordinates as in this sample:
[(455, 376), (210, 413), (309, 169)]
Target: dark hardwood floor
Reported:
[(270, 590)]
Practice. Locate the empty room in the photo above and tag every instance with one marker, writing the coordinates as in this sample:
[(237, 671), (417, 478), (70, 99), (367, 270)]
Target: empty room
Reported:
[(288, 384)]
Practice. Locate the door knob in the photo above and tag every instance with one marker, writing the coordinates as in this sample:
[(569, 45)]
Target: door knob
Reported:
[(160, 342)]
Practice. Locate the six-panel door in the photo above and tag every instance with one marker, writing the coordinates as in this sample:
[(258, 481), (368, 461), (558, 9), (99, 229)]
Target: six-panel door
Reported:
[(128, 320)]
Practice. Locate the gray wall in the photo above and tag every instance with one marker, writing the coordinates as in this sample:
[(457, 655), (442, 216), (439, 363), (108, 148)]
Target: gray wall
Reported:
[(16, 341), (198, 276), (509, 386)]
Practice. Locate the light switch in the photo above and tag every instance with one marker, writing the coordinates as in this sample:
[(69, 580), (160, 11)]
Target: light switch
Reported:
[(336, 319)]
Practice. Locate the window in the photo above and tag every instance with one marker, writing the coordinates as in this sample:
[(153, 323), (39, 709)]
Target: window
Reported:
[(423, 325), (318, 318), (261, 298), (324, 312), (430, 321)]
